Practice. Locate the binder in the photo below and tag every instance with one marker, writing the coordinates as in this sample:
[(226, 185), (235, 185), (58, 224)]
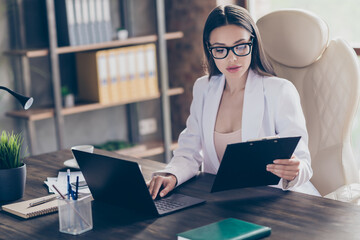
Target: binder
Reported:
[(141, 72), (106, 13), (79, 23), (99, 21), (123, 76), (94, 37), (92, 71), (103, 83), (65, 23), (151, 70), (132, 71), (85, 21), (113, 76), (244, 164)]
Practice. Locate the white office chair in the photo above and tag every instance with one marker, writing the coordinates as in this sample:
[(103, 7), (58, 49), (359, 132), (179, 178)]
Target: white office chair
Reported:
[(326, 74)]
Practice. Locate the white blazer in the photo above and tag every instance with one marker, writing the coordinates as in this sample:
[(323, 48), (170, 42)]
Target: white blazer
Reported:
[(271, 107)]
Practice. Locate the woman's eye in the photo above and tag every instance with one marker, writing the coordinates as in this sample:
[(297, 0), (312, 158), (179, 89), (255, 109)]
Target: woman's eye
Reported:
[(219, 50), (240, 47)]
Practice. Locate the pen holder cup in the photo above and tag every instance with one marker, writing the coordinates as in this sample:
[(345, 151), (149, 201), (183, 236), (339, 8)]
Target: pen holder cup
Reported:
[(75, 216)]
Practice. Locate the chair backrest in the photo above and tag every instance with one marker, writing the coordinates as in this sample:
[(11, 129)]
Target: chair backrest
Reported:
[(326, 74)]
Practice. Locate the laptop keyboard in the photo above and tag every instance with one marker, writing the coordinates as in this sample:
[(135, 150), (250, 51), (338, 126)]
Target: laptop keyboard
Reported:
[(166, 204)]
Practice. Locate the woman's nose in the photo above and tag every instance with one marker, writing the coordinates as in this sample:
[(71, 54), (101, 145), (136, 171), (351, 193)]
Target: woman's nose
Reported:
[(232, 57)]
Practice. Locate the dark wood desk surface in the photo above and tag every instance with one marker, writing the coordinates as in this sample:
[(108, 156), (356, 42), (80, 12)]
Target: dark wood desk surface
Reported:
[(290, 215)]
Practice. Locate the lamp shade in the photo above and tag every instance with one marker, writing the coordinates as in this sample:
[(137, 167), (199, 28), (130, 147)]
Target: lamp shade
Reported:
[(26, 102)]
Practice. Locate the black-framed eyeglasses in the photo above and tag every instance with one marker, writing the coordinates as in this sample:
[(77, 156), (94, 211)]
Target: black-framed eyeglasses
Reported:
[(240, 50)]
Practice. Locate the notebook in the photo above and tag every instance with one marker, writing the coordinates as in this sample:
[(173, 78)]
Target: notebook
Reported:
[(23, 210), (244, 164), (226, 229), (120, 182)]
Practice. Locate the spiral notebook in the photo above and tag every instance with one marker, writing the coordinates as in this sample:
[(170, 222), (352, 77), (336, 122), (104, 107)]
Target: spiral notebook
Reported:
[(23, 210)]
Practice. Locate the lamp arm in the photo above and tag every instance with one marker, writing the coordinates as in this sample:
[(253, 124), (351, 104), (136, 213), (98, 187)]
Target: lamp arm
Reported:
[(8, 90), (26, 102)]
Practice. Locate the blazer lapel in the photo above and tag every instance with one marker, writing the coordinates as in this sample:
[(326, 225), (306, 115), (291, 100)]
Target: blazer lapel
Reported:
[(211, 106), (253, 110)]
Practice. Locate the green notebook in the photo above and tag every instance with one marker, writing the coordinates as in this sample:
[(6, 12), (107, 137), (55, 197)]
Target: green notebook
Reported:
[(229, 228)]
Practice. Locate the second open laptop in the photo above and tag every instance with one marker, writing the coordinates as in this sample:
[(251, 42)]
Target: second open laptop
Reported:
[(120, 182)]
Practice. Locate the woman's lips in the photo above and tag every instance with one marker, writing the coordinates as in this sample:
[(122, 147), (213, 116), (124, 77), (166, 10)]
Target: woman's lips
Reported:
[(233, 69)]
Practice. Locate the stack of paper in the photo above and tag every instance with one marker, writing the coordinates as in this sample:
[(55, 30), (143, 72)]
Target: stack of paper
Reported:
[(61, 182)]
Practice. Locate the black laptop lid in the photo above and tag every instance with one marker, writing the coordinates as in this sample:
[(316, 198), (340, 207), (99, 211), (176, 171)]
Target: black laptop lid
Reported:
[(115, 181), (244, 164)]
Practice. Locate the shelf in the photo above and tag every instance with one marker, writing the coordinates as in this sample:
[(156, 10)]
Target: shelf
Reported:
[(33, 53), (146, 150), (40, 114)]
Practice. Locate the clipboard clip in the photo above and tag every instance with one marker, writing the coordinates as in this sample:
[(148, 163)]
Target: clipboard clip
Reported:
[(263, 139)]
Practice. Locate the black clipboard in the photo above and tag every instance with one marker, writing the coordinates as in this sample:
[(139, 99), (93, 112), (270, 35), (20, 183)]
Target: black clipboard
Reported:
[(244, 164)]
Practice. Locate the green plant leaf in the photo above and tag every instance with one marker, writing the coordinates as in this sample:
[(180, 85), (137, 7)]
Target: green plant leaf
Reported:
[(10, 149)]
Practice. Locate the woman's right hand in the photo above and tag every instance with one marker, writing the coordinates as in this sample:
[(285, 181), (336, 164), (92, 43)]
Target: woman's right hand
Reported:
[(167, 183)]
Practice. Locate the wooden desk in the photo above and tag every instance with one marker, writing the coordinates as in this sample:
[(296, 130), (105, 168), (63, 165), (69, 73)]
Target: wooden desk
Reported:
[(290, 215)]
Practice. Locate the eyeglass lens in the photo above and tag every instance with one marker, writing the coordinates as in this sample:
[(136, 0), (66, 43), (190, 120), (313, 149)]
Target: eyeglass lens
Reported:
[(239, 50)]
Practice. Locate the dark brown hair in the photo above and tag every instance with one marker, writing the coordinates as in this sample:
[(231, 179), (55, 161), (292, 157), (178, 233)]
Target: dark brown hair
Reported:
[(231, 14)]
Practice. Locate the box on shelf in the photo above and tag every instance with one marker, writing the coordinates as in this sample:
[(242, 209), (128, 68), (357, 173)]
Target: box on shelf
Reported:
[(92, 70)]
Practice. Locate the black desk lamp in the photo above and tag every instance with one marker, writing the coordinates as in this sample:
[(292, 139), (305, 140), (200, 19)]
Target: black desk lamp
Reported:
[(26, 102)]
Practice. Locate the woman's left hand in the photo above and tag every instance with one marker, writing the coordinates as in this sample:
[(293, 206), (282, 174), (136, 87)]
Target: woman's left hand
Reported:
[(285, 168)]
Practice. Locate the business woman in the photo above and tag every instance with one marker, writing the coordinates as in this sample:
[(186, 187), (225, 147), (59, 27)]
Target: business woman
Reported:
[(239, 99)]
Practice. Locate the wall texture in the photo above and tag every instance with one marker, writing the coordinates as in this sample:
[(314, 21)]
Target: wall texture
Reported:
[(185, 66), (93, 127), (7, 102), (185, 56)]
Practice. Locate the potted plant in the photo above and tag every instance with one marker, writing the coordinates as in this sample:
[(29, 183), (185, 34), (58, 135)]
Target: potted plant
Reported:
[(12, 167), (68, 97)]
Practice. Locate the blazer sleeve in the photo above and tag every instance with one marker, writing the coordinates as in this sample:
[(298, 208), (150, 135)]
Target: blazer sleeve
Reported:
[(290, 121), (187, 157)]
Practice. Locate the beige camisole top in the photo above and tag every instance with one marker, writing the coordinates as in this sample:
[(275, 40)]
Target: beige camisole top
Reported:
[(221, 140)]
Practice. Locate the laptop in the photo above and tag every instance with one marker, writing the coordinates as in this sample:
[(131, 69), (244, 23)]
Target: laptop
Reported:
[(120, 182), (244, 164)]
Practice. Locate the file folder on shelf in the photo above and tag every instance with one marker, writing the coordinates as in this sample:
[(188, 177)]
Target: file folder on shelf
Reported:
[(99, 21), (141, 71), (113, 76), (123, 76), (106, 12), (93, 36), (79, 23), (85, 21), (65, 23), (131, 60), (151, 70)]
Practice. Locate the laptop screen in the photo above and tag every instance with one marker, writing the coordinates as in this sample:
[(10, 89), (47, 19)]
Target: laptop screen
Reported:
[(115, 181)]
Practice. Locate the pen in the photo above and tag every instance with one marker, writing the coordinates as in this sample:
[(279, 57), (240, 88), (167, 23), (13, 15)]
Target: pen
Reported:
[(77, 188), (68, 183), (62, 196), (44, 200)]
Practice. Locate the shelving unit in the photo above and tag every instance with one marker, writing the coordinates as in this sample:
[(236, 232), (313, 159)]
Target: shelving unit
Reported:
[(33, 53), (58, 113), (146, 150), (40, 114)]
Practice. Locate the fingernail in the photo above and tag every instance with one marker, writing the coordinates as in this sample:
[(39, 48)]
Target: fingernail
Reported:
[(161, 194)]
